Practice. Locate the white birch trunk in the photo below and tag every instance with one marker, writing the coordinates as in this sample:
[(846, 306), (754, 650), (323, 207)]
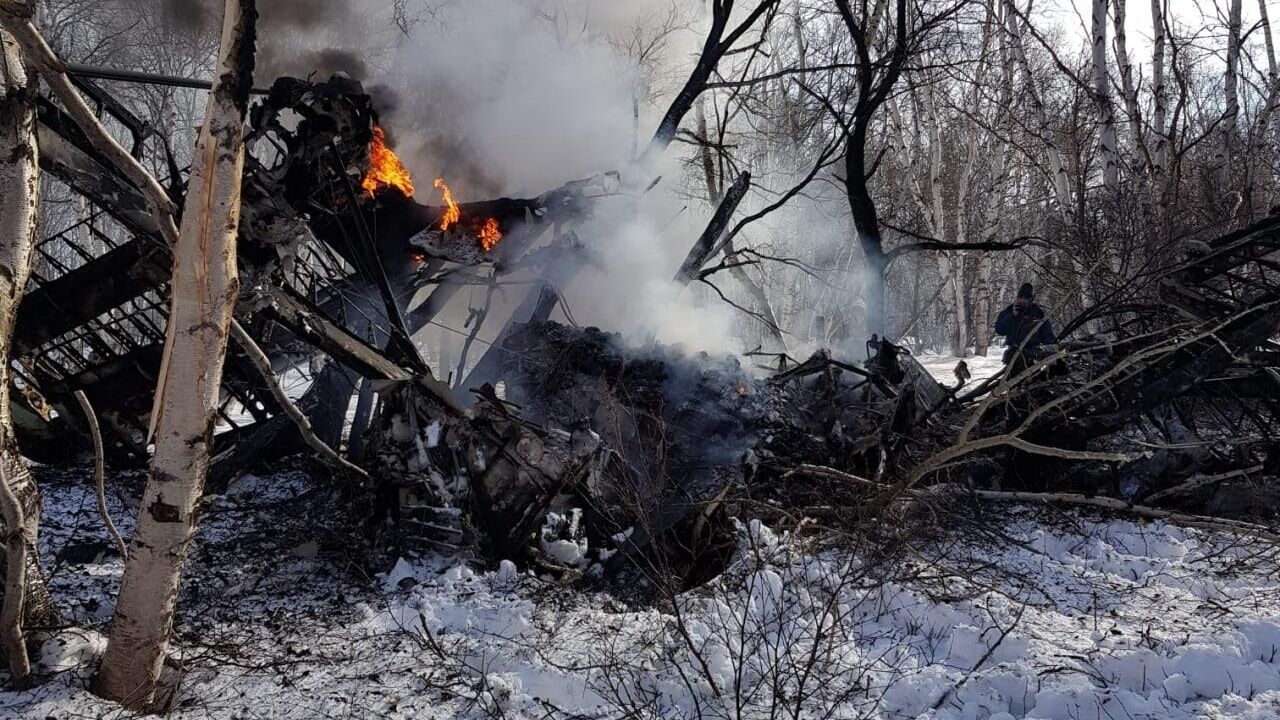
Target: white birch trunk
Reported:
[(1262, 152), (1264, 24), (1230, 81), (1102, 96), (25, 598), (983, 310), (204, 288), (1159, 94), (963, 191), (1137, 141), (950, 264), (926, 126), (1231, 99), (1057, 170), (906, 153)]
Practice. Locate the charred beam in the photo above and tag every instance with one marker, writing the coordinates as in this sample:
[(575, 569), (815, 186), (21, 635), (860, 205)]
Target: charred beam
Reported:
[(133, 76), (535, 309), (67, 302), (709, 243), (295, 313), (83, 173)]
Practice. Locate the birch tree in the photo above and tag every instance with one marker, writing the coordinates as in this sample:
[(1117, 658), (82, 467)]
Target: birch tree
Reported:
[(1159, 94), (1231, 94), (950, 263), (1262, 153), (25, 599), (1058, 179), (1128, 89), (203, 293), (995, 189), (928, 126), (1102, 96)]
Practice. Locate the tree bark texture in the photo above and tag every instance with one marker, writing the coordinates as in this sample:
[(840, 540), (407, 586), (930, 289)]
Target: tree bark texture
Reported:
[(26, 601), (204, 289)]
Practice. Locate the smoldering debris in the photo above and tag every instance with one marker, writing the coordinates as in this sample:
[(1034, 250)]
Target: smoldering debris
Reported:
[(648, 448), (575, 450)]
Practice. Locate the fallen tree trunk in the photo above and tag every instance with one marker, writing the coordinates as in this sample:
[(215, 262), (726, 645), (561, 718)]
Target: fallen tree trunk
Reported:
[(1199, 482), (1098, 503), (1123, 507)]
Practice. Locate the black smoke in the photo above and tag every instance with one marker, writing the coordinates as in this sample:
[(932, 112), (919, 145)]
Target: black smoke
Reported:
[(289, 40)]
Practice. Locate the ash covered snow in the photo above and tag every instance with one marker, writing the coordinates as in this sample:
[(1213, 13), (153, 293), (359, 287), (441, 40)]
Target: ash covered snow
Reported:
[(1047, 616)]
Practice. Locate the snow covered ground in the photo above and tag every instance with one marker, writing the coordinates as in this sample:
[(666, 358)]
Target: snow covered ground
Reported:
[(1031, 616), (942, 367)]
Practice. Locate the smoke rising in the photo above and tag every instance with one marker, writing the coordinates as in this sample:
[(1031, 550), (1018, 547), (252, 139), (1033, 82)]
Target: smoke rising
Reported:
[(297, 37), (189, 15), (494, 97), (513, 98)]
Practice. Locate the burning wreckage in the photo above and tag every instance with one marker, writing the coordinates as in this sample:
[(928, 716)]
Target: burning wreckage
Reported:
[(565, 445)]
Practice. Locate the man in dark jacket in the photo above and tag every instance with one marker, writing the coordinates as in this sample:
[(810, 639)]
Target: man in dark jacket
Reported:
[(1024, 320)]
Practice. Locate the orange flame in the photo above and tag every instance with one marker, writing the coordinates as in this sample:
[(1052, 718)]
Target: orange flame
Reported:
[(451, 213), (385, 169), (489, 234)]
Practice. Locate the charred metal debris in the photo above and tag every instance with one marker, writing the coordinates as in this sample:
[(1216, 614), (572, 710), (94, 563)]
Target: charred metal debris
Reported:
[(566, 446)]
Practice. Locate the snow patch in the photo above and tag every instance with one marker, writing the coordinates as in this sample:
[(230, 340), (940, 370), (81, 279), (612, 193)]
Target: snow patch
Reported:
[(73, 649), (1084, 621)]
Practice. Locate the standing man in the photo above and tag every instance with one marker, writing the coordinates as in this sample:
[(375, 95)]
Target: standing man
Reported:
[(1024, 320)]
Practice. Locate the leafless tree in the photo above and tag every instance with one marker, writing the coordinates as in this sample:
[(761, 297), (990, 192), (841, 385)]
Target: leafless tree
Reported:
[(884, 38), (204, 288), (24, 595), (722, 36)]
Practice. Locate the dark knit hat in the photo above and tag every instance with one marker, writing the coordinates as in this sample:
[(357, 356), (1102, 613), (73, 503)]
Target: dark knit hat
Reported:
[(1026, 291)]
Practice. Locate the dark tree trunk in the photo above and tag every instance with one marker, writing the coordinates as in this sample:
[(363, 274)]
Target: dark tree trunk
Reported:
[(866, 223)]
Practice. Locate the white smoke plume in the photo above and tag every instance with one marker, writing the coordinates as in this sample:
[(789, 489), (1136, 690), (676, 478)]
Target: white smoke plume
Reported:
[(515, 98)]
